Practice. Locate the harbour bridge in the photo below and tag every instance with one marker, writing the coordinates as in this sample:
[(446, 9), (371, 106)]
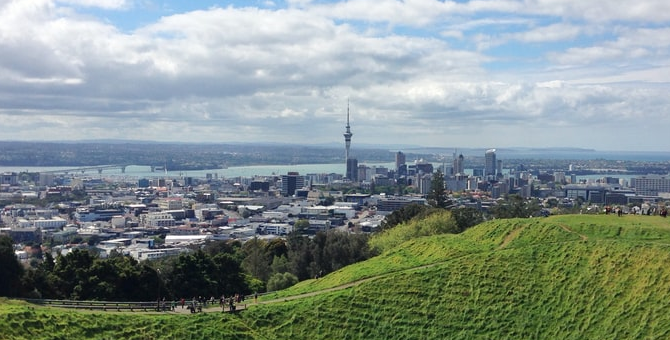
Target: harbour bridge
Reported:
[(84, 169)]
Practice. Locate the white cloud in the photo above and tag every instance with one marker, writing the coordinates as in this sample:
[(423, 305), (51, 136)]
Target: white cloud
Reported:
[(104, 4), (251, 74), (602, 11), (625, 52), (550, 33)]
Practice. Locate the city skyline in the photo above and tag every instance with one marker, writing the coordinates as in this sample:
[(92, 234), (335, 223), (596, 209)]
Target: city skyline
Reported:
[(475, 74)]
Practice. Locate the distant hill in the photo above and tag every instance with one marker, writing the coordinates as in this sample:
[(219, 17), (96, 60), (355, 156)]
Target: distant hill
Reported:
[(175, 156), (562, 277)]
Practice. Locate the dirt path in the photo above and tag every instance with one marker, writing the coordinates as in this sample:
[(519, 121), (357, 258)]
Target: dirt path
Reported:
[(248, 303), (566, 228), (511, 236)]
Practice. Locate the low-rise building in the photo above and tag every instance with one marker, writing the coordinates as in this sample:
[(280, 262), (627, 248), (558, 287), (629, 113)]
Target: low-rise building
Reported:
[(157, 220), (393, 203), (274, 229), (87, 214)]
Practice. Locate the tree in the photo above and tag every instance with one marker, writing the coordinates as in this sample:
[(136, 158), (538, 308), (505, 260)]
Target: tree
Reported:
[(467, 217), (229, 275), (276, 248), (73, 272), (327, 201), (301, 226), (229, 247), (405, 214), (552, 203), (281, 281), (342, 249), (299, 255), (515, 206), (93, 240), (280, 265), (11, 268), (256, 261), (194, 275), (437, 197)]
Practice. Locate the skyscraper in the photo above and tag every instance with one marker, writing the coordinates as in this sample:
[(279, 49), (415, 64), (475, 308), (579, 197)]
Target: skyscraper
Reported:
[(399, 160), (291, 182), (352, 169), (490, 163), (458, 165)]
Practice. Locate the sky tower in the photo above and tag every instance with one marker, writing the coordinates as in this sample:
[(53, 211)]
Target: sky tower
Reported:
[(351, 172), (347, 136)]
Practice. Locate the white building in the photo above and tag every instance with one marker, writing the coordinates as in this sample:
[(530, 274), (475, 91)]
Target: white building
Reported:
[(142, 254), (243, 233), (275, 215), (43, 223), (171, 203), (319, 225), (277, 228), (157, 219), (52, 223), (650, 185), (172, 239), (292, 209), (119, 221), (348, 212)]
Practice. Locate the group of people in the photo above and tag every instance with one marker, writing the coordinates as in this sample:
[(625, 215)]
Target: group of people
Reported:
[(230, 301), (616, 210), (196, 305), (662, 211)]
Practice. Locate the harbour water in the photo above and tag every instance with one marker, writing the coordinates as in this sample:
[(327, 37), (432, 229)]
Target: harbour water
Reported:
[(135, 172), (140, 171)]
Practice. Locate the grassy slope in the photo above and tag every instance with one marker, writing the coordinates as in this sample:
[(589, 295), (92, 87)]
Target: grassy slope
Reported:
[(568, 277), (20, 320)]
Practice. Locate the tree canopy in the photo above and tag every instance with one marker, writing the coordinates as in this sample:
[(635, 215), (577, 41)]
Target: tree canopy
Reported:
[(437, 197), (10, 284), (515, 206)]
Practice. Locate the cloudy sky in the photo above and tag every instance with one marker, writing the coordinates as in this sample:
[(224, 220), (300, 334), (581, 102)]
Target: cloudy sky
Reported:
[(540, 73)]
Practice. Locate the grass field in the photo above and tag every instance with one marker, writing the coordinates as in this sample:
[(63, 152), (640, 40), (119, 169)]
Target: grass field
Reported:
[(562, 277)]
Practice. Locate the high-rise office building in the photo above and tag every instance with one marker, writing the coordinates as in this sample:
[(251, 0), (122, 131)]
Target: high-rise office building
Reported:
[(424, 167), (650, 185), (490, 163), (459, 165), (399, 160), (291, 182), (352, 169)]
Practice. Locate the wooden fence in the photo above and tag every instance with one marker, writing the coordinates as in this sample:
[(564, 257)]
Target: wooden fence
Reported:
[(133, 306)]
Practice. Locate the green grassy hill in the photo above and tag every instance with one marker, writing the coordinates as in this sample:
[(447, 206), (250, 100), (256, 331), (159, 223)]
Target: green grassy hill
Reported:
[(562, 277)]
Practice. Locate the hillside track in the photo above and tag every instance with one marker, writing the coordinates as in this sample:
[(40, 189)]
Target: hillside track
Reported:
[(511, 236), (567, 228), (507, 240)]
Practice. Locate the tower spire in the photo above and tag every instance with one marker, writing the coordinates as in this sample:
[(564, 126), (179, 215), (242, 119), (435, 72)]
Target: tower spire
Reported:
[(347, 134), (348, 131)]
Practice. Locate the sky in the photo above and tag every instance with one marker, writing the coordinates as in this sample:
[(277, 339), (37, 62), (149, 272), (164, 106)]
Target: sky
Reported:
[(469, 74)]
